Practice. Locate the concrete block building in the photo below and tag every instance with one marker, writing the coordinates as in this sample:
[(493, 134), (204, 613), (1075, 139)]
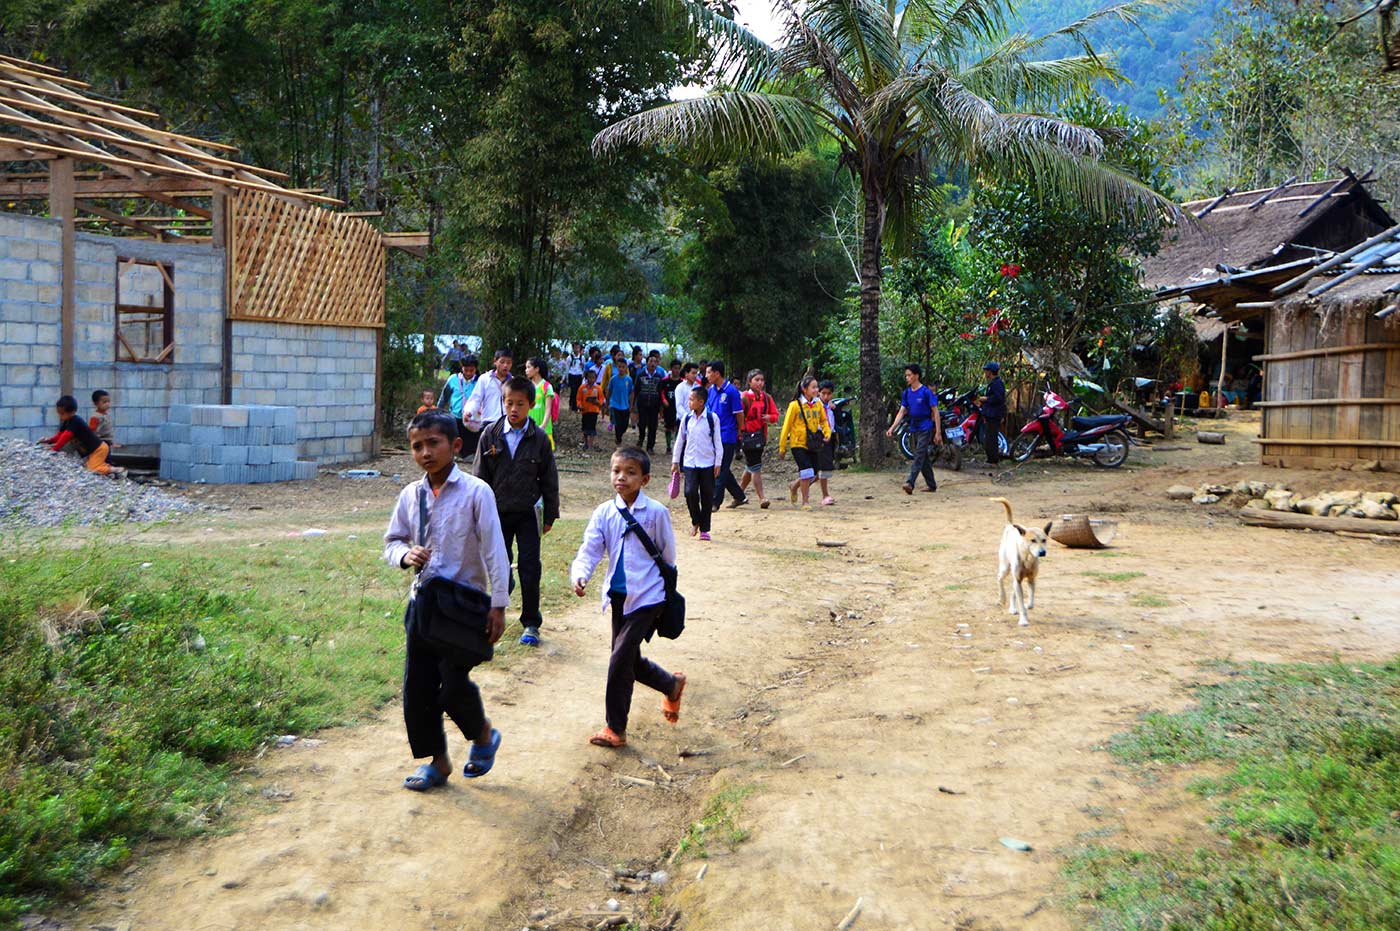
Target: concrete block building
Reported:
[(168, 273)]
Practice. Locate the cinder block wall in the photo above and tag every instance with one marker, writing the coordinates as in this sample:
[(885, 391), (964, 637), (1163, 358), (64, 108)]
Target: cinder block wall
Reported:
[(325, 372), (30, 296), (143, 392)]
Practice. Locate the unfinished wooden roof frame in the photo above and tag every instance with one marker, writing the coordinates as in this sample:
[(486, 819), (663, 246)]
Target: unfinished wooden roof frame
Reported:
[(287, 258)]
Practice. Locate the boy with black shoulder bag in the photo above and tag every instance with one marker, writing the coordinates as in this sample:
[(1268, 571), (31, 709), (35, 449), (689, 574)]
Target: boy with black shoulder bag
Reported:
[(446, 529)]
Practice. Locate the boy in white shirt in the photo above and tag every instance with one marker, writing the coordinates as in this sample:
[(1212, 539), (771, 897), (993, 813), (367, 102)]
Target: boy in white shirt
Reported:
[(636, 590), (698, 451), (445, 525)]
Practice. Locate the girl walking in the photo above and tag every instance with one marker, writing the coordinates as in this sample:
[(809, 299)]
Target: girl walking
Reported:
[(805, 430), (546, 407), (698, 452), (760, 410)]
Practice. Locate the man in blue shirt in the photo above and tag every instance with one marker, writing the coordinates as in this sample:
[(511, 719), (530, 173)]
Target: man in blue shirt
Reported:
[(728, 405), (921, 407)]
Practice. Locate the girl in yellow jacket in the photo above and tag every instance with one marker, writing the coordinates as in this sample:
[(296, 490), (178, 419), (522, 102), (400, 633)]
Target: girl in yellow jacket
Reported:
[(805, 429)]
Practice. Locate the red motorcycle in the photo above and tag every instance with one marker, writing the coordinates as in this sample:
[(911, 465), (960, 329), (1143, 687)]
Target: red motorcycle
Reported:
[(1102, 439)]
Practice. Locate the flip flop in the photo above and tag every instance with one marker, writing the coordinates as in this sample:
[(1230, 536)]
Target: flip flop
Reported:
[(671, 710), (764, 504), (792, 493), (607, 738), (424, 778), (483, 760)]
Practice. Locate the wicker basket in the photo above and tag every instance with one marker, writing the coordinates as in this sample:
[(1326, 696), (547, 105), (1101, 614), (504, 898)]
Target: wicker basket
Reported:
[(1079, 531)]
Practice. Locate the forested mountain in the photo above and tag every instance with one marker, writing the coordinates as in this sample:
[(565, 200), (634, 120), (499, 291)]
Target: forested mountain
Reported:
[(1150, 57)]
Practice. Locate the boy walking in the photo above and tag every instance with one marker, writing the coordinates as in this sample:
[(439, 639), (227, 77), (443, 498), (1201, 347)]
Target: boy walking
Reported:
[(620, 397), (726, 403), (925, 428), (516, 458), (650, 399), (487, 403), (698, 452), (636, 590), (444, 526)]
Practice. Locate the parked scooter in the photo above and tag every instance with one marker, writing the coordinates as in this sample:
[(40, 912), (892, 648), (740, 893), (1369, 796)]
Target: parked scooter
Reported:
[(961, 417), (845, 429), (1103, 439)]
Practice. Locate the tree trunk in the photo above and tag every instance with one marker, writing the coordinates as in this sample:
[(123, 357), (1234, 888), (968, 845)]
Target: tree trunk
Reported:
[(872, 396)]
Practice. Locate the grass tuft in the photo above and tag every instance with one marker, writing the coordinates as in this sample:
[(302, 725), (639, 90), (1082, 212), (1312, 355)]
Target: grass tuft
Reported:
[(719, 822), (1113, 576)]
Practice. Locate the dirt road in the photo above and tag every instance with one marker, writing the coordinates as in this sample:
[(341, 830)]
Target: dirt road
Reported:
[(892, 722)]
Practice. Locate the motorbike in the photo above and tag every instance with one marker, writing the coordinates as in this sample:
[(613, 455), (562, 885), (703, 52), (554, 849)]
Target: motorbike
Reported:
[(845, 429), (1101, 439), (961, 417)]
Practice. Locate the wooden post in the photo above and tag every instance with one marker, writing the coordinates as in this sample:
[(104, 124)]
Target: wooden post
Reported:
[(61, 194), (1220, 382), (1169, 416), (220, 238)]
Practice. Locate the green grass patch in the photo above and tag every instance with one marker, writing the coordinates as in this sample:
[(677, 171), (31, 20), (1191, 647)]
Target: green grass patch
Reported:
[(958, 587), (1149, 601), (718, 824), (1305, 815), (135, 677), (1113, 576)]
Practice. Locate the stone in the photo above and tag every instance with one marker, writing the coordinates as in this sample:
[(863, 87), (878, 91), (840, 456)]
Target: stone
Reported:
[(1279, 499), (1180, 493), (1337, 510), (1381, 497), (1347, 498), (1374, 510), (1366, 465), (1205, 499), (1316, 506), (1257, 489), (1215, 489), (1258, 504)]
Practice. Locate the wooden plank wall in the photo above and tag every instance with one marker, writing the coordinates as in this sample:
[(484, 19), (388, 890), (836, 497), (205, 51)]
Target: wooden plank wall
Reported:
[(1326, 409), (291, 263)]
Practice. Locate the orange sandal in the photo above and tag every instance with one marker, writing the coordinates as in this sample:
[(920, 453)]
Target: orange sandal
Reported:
[(671, 707), (607, 738)]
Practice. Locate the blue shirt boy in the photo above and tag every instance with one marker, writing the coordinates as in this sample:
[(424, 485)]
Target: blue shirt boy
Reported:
[(620, 391), (725, 401), (919, 403)]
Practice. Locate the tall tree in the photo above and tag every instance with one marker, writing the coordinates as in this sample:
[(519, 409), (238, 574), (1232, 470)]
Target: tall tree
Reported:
[(902, 88), (757, 262), (533, 207)]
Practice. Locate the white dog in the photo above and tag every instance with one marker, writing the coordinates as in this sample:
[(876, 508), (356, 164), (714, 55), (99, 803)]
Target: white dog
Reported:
[(1019, 557)]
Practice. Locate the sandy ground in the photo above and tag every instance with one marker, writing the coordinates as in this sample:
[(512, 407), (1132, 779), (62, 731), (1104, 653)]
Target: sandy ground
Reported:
[(891, 719)]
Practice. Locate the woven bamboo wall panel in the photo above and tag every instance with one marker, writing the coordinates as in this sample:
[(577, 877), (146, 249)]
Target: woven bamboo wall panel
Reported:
[(302, 264)]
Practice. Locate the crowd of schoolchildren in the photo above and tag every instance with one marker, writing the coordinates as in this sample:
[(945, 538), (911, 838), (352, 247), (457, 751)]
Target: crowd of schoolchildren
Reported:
[(462, 532)]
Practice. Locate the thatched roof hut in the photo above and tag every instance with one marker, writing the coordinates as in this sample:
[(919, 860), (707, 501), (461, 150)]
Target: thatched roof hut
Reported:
[(1249, 230)]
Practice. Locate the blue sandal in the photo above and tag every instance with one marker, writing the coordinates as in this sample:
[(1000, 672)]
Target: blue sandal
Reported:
[(424, 778), (483, 760)]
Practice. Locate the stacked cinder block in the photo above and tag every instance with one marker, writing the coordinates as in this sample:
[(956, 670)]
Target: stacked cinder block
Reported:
[(231, 444)]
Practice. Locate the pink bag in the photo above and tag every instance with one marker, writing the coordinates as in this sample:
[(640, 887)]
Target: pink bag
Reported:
[(675, 488)]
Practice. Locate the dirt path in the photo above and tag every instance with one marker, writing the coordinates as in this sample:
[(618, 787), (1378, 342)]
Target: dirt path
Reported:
[(848, 687)]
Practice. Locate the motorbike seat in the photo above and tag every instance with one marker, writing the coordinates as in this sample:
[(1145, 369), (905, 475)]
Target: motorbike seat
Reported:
[(1089, 423)]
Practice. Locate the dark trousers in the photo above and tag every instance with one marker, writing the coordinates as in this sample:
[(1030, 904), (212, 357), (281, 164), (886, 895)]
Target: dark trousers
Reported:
[(700, 495), (627, 666), (991, 433), (727, 481), (619, 421), (433, 686), (469, 440), (521, 528), (575, 381), (647, 417), (923, 459)]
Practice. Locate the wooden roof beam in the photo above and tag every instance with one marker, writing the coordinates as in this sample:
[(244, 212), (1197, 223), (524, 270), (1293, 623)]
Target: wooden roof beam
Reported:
[(26, 63), (111, 188), (36, 104), (79, 99), (1339, 259), (132, 222), (8, 66), (1215, 203), (1264, 198), (109, 137)]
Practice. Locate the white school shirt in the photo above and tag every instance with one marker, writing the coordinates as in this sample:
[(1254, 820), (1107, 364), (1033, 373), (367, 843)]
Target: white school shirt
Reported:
[(698, 445), (487, 403), (464, 533), (683, 395), (603, 534), (576, 365)]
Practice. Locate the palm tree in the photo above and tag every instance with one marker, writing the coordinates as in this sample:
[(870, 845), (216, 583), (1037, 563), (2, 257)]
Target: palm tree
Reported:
[(904, 88)]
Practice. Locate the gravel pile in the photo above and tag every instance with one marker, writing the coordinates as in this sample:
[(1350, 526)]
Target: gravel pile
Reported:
[(40, 489)]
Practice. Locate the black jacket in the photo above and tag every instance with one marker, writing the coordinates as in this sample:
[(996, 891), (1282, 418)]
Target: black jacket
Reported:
[(520, 481), (995, 405)]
